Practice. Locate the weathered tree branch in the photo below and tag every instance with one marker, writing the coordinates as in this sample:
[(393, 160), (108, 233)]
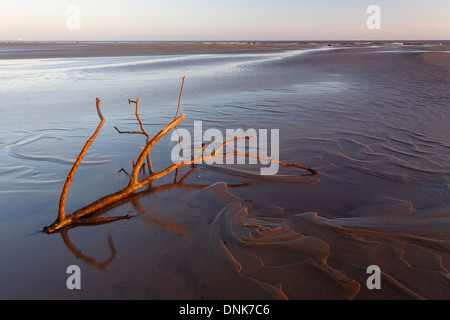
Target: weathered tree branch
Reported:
[(179, 98), (134, 184), (178, 109)]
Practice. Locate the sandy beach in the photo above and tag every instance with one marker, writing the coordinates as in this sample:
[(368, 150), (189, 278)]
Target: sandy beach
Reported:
[(41, 50), (372, 118), (24, 50)]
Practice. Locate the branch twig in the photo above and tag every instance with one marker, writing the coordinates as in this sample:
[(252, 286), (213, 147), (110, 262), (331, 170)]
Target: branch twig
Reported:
[(178, 110), (63, 219)]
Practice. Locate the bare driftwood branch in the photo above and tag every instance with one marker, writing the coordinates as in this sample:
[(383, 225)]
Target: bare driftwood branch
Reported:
[(62, 202), (178, 110), (179, 98), (77, 217)]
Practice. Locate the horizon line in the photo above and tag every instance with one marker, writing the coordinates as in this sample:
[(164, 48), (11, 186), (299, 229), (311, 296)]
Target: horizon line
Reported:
[(237, 41)]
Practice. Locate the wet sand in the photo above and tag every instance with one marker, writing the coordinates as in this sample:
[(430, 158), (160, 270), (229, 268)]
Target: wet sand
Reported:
[(373, 120), (85, 49), (437, 59)]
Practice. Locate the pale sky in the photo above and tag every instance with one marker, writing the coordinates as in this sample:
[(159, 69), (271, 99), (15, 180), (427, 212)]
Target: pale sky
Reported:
[(225, 20)]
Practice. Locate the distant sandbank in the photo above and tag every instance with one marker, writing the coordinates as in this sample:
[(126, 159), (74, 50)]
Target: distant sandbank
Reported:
[(42, 50)]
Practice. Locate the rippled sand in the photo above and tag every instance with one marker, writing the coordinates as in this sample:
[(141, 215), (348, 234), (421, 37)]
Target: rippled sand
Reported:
[(373, 120)]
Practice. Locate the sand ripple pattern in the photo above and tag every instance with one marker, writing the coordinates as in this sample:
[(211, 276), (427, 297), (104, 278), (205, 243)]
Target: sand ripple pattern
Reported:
[(234, 249)]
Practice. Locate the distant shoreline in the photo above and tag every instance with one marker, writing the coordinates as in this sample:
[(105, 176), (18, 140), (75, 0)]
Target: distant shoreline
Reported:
[(72, 49)]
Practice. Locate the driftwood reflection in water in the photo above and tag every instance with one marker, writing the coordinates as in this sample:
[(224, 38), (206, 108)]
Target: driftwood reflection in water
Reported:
[(134, 200), (80, 255)]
